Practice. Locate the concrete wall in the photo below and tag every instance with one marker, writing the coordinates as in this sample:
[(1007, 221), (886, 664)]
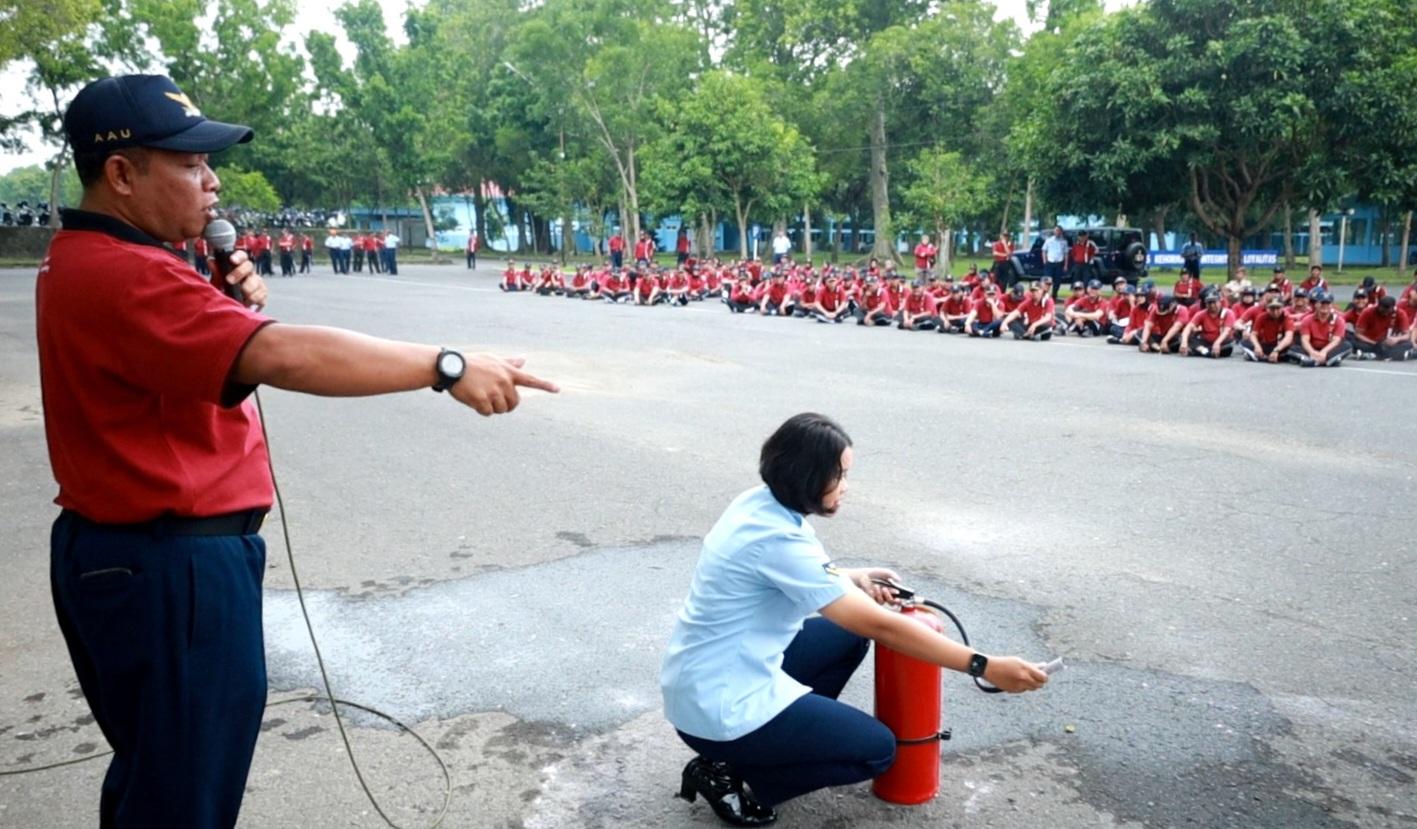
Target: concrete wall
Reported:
[(24, 242)]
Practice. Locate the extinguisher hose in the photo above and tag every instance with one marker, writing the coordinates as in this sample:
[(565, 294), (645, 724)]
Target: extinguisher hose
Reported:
[(907, 594)]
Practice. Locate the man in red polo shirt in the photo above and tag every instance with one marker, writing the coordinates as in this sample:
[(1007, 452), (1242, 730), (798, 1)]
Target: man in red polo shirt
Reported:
[(1321, 341), (1187, 289), (1087, 317), (511, 282), (616, 288), (741, 296), (1128, 323), (1207, 332), (1383, 332), (832, 305), (772, 296), (954, 311), (1162, 332), (986, 317), (616, 246), (917, 313), (307, 252), (644, 250), (1271, 334), (1033, 319), (1315, 280), (1002, 250), (874, 306), (156, 558), (925, 254), (287, 253)]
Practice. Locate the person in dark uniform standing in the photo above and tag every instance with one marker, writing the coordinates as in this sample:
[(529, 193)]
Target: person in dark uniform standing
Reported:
[(156, 557), (307, 250)]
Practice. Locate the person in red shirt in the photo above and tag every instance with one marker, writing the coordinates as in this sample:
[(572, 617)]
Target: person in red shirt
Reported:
[(287, 253), (201, 251), (1315, 280), (510, 282), (1208, 330), (146, 369), (986, 316), (972, 278), (832, 305), (1129, 320), (1087, 315), (741, 296), (358, 245), (1410, 306), (954, 311), (265, 245), (1033, 319), (473, 242), (649, 291), (548, 282), (1187, 289), (1383, 332), (1271, 334), (894, 287), (772, 297), (616, 288), (676, 288), (1080, 256), (1119, 308), (925, 254), (801, 295), (1281, 282), (1002, 251), (874, 306), (1162, 332), (918, 312), (617, 250), (698, 285), (579, 286), (1299, 306), (1013, 298), (307, 252), (1320, 335), (644, 250), (1359, 304), (681, 247)]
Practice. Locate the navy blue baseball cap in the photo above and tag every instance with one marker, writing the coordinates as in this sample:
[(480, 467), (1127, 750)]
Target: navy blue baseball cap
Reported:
[(144, 111)]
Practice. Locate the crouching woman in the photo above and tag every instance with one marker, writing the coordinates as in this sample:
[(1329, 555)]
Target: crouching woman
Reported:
[(752, 674)]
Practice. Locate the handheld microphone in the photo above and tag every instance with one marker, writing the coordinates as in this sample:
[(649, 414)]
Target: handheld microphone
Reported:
[(221, 238)]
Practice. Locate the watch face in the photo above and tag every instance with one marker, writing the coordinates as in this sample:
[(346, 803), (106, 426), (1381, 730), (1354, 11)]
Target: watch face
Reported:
[(451, 365)]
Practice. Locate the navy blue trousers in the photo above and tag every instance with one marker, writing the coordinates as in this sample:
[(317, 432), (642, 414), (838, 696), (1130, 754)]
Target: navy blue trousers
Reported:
[(165, 637), (817, 741)]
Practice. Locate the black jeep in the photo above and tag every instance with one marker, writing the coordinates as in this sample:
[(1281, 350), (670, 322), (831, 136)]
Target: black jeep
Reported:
[(1121, 251)]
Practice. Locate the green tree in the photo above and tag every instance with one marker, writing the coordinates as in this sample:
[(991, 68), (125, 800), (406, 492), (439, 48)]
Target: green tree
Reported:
[(943, 192), (247, 189)]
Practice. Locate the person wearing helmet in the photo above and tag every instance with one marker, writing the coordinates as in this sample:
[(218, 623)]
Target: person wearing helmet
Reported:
[(1128, 322), (1207, 332), (1033, 319), (1320, 334), (1299, 306), (1013, 298), (1359, 304), (1270, 335), (1162, 331), (1246, 309), (1119, 309), (1086, 315), (1280, 281), (1383, 332)]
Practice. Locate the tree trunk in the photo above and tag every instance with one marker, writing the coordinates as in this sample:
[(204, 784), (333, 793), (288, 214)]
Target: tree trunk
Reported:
[(1316, 239), (1406, 240), (742, 212), (807, 232), (837, 226), (634, 193), (947, 235), (1008, 205), (884, 247), (1288, 237), (1158, 226), (1386, 238), (54, 179), (1233, 245), (1027, 236), (428, 225)]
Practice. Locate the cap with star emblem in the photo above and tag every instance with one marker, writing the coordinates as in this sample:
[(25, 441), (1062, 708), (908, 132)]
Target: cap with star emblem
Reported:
[(144, 111)]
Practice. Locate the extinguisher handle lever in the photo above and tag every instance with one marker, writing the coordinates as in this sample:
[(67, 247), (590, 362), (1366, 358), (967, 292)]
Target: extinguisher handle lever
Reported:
[(900, 590)]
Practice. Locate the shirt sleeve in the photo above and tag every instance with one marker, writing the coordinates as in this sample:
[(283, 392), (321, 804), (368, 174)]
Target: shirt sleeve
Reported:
[(801, 570), (182, 336)]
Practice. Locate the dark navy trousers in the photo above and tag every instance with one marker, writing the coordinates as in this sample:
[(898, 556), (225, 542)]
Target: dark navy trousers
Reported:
[(817, 741), (165, 636)]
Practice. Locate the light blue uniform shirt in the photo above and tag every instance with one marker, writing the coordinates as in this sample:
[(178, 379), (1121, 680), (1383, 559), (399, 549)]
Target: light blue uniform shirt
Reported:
[(761, 573)]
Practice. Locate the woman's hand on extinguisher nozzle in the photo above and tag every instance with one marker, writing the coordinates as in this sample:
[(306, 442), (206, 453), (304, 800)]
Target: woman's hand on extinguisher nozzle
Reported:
[(1014, 675), (866, 577)]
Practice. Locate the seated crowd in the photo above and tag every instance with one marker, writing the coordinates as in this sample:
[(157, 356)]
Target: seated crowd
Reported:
[(1279, 322)]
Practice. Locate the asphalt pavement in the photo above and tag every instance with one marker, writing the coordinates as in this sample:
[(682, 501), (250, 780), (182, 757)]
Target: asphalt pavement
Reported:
[(1222, 552)]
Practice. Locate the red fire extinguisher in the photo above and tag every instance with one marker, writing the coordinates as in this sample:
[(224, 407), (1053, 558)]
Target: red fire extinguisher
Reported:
[(908, 702)]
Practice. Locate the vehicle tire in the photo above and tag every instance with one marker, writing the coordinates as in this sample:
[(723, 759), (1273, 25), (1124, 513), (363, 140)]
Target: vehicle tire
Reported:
[(1135, 256)]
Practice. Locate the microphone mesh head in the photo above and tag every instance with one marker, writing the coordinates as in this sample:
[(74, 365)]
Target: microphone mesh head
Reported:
[(220, 234)]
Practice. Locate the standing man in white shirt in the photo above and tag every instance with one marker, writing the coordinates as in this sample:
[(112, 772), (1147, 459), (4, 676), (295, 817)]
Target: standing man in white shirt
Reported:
[(780, 246), (391, 251), (1055, 256)]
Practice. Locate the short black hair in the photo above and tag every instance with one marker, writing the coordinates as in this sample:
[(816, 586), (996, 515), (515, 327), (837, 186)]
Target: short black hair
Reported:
[(89, 165), (801, 461)]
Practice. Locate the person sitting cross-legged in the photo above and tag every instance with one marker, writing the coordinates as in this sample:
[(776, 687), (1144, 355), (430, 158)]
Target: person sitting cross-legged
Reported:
[(955, 310), (1033, 318), (874, 306), (1164, 322), (1207, 332), (1271, 334), (917, 313), (1383, 332), (1321, 341), (986, 317)]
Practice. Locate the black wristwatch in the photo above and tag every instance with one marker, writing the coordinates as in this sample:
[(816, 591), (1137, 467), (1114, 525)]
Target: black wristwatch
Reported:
[(977, 664), (450, 367)]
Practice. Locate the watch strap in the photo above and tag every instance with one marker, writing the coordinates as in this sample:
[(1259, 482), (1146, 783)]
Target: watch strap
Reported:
[(977, 664)]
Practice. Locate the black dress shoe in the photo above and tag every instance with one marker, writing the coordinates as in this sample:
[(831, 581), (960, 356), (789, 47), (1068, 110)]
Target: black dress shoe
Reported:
[(725, 794)]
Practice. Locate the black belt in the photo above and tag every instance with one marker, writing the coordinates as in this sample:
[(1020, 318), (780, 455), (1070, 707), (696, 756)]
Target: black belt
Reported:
[(246, 522)]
